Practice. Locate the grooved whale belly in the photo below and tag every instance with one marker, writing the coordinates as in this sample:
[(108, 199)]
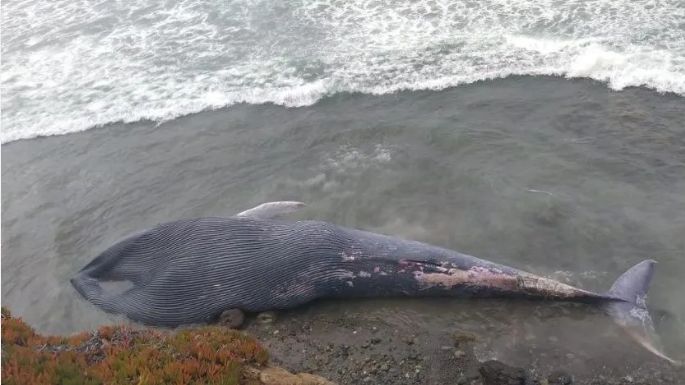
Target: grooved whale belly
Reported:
[(189, 271)]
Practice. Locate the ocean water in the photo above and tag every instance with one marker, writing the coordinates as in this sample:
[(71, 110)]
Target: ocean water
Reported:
[(68, 65)]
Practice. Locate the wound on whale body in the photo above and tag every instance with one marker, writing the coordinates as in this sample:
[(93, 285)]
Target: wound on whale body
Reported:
[(194, 270)]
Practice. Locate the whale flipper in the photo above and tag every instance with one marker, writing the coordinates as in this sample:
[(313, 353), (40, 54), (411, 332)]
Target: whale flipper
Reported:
[(271, 209), (629, 310)]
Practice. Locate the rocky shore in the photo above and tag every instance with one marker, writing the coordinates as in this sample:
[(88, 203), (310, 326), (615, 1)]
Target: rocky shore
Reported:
[(302, 350), (355, 350)]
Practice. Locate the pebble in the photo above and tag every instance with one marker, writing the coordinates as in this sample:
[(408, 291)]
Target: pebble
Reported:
[(233, 318), (462, 337), (266, 318)]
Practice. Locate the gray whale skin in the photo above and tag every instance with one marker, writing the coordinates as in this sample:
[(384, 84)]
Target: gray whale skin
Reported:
[(193, 270)]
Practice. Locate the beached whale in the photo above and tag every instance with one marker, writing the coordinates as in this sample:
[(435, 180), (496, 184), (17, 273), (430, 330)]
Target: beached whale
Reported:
[(193, 270)]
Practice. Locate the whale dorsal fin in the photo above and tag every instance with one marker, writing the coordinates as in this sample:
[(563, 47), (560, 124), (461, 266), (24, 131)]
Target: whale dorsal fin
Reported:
[(271, 209)]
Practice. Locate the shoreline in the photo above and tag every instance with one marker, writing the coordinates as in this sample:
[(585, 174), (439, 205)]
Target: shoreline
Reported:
[(373, 350), (342, 95), (129, 354)]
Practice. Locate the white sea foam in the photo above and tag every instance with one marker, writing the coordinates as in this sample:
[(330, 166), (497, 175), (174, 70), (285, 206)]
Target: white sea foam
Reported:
[(348, 160), (71, 65)]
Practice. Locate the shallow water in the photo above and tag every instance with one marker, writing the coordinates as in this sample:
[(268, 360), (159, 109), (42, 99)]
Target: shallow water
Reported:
[(559, 177)]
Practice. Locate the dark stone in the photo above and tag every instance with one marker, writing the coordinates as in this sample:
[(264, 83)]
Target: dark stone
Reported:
[(497, 373), (233, 318)]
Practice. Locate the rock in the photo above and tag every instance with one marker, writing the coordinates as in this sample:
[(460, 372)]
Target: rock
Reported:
[(232, 318), (559, 377), (266, 318), (462, 337), (459, 354), (497, 373), (280, 376), (312, 379)]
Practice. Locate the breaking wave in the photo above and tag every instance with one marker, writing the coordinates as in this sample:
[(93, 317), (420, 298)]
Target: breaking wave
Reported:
[(71, 65)]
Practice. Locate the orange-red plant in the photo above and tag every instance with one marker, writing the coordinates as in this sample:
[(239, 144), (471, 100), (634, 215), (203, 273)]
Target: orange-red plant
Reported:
[(122, 355)]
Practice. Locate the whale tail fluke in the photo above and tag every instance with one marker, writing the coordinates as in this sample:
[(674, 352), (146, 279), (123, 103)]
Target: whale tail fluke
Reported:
[(629, 308)]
